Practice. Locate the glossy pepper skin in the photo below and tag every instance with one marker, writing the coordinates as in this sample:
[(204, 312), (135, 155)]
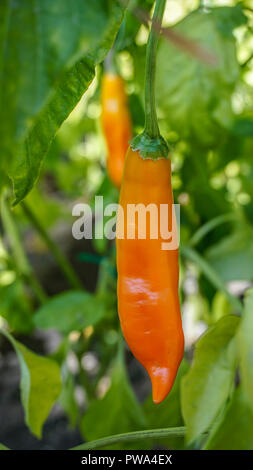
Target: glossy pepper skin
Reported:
[(148, 302), (116, 124)]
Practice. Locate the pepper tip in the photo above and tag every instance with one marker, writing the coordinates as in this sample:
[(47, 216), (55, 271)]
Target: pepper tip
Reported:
[(162, 382)]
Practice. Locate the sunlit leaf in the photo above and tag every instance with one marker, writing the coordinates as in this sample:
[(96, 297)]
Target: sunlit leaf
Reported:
[(210, 380), (236, 429), (72, 310), (54, 47), (245, 346), (3, 447), (15, 307), (232, 257), (194, 97), (40, 385)]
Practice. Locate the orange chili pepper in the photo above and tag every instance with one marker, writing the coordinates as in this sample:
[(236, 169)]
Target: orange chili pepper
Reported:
[(116, 124), (148, 301)]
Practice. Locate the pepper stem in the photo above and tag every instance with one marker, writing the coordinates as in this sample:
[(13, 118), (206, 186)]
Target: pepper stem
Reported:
[(150, 144), (151, 123)]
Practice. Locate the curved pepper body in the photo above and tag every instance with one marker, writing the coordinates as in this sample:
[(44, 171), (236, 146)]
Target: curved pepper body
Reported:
[(148, 301), (116, 124)]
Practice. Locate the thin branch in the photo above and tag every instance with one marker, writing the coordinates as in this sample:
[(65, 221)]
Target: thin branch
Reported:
[(19, 256), (133, 436), (185, 44), (211, 275), (247, 61), (61, 259), (209, 226)]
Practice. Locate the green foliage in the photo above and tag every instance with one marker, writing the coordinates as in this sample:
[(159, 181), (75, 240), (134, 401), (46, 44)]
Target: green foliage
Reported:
[(232, 257), (195, 97), (245, 348), (229, 18), (130, 24), (236, 430), (26, 170), (40, 385), (117, 412), (15, 307), (73, 42), (15, 304), (2, 447), (211, 378), (168, 413), (210, 274), (72, 310)]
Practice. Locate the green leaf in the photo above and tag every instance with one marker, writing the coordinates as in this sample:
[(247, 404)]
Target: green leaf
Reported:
[(211, 275), (245, 347), (235, 431), (117, 412), (210, 380), (194, 97), (26, 168), (54, 47), (168, 413), (3, 447), (40, 385), (72, 310), (229, 18), (232, 257), (15, 307), (131, 24)]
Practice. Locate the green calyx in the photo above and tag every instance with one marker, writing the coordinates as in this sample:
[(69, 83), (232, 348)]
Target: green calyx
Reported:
[(153, 148)]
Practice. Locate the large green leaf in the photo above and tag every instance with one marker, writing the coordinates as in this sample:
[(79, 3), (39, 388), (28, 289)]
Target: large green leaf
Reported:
[(168, 413), (26, 167), (40, 385), (117, 412), (245, 346), (210, 380), (235, 431), (54, 46), (69, 311), (195, 97)]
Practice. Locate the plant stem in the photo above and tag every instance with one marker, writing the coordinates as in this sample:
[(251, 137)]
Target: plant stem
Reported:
[(19, 255), (247, 61), (151, 124), (62, 261), (209, 226), (132, 436), (150, 144), (36, 286)]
